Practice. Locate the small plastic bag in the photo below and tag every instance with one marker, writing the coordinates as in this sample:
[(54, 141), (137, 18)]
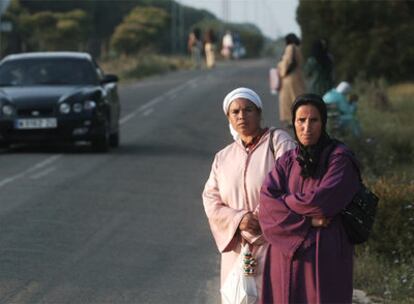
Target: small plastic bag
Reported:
[(274, 81), (240, 285)]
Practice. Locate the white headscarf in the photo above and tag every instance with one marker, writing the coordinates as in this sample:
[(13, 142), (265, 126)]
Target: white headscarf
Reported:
[(343, 88), (245, 93)]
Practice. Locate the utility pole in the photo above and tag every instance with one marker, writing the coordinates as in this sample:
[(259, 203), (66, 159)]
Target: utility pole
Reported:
[(181, 36), (173, 27), (3, 27), (177, 27), (226, 11)]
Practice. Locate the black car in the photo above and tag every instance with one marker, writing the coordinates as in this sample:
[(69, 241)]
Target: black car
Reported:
[(58, 97)]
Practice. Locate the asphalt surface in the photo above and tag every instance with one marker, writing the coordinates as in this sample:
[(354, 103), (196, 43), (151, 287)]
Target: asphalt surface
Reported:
[(127, 226)]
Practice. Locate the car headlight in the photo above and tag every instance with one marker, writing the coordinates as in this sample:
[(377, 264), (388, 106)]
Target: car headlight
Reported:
[(77, 107), (64, 108), (89, 105), (7, 110)]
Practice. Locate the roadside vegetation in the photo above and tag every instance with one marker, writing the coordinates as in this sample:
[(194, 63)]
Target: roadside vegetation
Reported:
[(114, 29), (385, 264), (144, 65), (372, 45)]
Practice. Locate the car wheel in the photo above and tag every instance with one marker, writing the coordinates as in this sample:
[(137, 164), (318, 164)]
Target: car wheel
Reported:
[(4, 144), (114, 139), (101, 142)]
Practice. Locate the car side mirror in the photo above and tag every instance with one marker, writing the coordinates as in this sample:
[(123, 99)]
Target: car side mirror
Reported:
[(109, 78)]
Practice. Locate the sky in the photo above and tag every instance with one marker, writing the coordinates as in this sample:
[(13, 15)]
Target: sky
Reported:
[(275, 18)]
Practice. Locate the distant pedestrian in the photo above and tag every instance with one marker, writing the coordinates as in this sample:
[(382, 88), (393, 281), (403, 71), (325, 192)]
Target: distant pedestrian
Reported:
[(292, 83), (227, 45), (319, 68), (238, 49), (194, 46), (231, 194), (210, 48), (342, 102)]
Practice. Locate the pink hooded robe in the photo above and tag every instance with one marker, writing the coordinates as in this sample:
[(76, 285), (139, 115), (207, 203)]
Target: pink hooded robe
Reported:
[(233, 189)]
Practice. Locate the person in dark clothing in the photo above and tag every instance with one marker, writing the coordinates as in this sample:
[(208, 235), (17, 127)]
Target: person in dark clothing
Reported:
[(194, 46), (310, 258), (319, 68)]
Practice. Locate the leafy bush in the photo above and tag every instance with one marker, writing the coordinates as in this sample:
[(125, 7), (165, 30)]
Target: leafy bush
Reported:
[(387, 143), (393, 282), (139, 30), (385, 264), (364, 35), (393, 234), (142, 65)]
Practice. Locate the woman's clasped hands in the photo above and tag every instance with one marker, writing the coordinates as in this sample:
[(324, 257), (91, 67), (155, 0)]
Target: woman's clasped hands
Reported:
[(320, 222), (250, 223)]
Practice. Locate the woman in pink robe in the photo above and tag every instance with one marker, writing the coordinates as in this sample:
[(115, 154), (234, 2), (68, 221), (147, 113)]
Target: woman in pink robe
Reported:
[(231, 194), (310, 257)]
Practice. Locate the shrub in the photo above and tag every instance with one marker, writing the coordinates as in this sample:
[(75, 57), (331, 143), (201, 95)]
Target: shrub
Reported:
[(140, 29), (393, 282), (385, 264), (393, 233), (144, 64)]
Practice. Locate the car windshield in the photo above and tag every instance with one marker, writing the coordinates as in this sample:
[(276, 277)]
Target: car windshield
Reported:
[(50, 71)]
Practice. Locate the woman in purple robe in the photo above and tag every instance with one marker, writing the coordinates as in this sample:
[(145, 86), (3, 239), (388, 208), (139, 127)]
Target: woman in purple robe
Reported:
[(310, 258)]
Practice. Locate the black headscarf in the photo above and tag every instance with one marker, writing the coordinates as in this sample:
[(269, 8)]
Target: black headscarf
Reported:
[(308, 156)]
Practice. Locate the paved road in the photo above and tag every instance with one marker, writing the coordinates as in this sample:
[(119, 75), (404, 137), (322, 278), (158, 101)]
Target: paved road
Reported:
[(128, 226)]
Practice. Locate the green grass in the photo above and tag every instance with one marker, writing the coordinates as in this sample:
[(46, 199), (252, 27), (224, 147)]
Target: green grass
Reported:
[(385, 264)]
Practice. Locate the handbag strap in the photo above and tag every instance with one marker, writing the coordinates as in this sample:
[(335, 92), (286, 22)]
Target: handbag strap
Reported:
[(271, 144)]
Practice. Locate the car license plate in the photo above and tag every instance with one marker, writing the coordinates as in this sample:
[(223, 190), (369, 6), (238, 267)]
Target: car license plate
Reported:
[(36, 123)]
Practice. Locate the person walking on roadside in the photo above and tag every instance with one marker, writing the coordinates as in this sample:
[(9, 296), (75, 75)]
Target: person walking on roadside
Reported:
[(195, 46), (227, 45), (310, 257), (210, 48), (290, 72), (231, 193), (319, 68)]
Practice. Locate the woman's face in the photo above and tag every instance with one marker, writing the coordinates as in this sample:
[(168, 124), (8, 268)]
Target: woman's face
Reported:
[(244, 117), (308, 125)]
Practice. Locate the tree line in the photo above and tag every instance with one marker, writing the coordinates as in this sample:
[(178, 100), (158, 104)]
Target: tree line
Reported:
[(368, 39), (111, 27)]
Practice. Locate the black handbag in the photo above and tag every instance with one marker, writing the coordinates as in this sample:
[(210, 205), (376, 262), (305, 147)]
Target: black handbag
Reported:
[(359, 215)]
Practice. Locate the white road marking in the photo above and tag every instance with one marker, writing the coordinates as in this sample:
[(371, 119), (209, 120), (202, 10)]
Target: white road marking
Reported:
[(171, 94), (127, 117), (148, 112), (145, 109), (35, 167), (43, 173)]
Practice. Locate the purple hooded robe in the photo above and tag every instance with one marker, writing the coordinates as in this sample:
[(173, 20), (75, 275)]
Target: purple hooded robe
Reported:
[(305, 264)]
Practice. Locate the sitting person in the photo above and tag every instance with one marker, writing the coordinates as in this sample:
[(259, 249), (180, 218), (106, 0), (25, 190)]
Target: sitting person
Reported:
[(342, 106)]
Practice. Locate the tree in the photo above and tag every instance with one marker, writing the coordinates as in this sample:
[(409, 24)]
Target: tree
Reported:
[(73, 28), (16, 40), (105, 16), (56, 31), (140, 30), (371, 38)]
